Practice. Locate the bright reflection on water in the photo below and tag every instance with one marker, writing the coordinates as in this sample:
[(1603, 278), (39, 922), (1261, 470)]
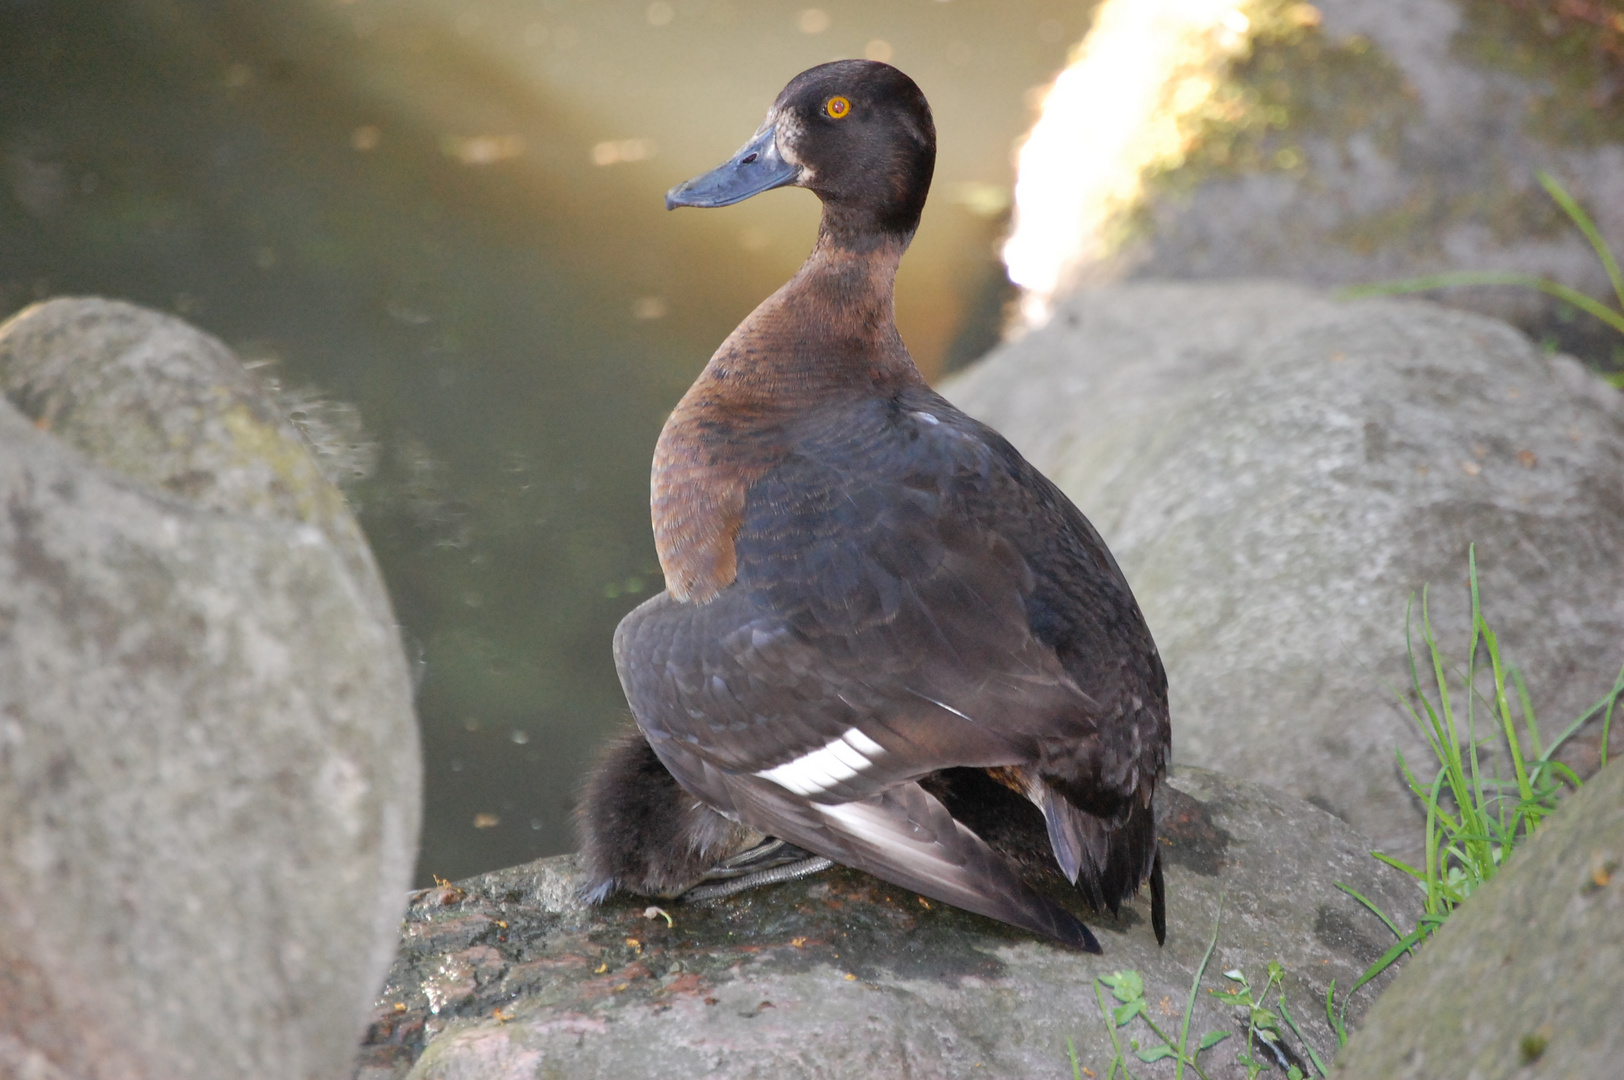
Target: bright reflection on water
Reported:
[(446, 218)]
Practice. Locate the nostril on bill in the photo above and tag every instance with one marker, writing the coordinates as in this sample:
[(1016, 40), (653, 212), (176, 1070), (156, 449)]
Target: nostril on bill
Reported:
[(747, 159)]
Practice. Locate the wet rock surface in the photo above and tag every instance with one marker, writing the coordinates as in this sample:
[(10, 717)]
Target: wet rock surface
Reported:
[(1525, 979), (209, 774), (1278, 473), (840, 975)]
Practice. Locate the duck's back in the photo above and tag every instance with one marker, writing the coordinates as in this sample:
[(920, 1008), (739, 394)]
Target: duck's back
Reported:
[(911, 595)]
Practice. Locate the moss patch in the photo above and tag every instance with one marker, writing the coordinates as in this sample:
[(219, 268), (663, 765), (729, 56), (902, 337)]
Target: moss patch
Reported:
[(1575, 47), (1292, 84), (1295, 81)]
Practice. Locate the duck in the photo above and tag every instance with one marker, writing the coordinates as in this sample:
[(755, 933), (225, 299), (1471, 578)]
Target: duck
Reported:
[(886, 640)]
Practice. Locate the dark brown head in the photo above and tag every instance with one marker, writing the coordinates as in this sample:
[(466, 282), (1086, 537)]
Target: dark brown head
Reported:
[(856, 132)]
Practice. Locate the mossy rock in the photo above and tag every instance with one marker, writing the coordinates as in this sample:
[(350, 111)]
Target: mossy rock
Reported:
[(1355, 141)]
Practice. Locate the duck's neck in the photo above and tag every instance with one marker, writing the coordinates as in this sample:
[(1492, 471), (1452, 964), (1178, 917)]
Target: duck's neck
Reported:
[(829, 331), (829, 335)]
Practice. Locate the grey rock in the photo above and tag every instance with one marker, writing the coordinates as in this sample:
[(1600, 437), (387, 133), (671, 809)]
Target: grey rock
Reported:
[(1396, 138), (841, 976), (209, 772), (1279, 473), (1526, 978)]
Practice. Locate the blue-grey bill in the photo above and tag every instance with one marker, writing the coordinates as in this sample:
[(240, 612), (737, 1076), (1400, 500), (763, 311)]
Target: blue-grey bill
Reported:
[(756, 168)]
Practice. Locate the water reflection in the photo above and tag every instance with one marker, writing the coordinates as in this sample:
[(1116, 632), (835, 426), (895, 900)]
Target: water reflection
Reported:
[(448, 217)]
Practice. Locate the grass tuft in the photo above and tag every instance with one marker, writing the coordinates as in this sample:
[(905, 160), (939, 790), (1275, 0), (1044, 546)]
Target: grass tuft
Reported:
[(1611, 316), (1475, 817), (1478, 812)]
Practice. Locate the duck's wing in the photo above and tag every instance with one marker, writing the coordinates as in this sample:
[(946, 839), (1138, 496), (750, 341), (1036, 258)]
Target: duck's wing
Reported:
[(911, 596), (897, 611), (903, 835)]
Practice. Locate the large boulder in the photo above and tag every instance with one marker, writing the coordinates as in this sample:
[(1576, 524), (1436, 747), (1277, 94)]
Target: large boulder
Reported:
[(1526, 979), (1337, 142), (842, 976), (1279, 475), (209, 774)]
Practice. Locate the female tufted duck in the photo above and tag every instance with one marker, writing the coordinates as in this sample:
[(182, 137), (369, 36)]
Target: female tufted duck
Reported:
[(881, 625)]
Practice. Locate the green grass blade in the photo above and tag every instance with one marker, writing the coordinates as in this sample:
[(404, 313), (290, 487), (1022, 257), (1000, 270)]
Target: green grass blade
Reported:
[(1189, 1004), (1397, 864), (1598, 244), (1587, 304), (1374, 910), (1566, 773), (1607, 722), (1313, 1054), (1528, 712), (1502, 706), (1436, 900), (1338, 1027), (1405, 944), (1606, 703)]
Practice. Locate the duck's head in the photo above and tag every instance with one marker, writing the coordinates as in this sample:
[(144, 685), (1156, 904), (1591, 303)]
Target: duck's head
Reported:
[(857, 133)]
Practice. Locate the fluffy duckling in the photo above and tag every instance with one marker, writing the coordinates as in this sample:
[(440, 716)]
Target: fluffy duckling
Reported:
[(880, 623)]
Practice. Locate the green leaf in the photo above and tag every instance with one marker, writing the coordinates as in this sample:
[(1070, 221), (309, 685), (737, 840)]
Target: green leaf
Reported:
[(1124, 1013), (1125, 985), (1211, 1039), (1157, 1054)]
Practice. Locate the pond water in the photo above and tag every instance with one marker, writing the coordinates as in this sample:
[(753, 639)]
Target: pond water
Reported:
[(445, 219)]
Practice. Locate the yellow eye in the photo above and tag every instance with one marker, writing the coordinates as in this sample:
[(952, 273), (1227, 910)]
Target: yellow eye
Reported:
[(837, 107)]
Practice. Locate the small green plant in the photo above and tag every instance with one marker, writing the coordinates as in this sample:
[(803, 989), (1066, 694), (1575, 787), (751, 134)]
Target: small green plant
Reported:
[(1474, 819), (1128, 988), (1263, 1026), (1613, 317)]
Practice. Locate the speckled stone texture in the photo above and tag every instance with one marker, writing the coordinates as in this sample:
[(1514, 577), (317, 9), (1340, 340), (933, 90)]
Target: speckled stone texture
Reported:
[(209, 773), (1527, 979), (1279, 473), (841, 976)]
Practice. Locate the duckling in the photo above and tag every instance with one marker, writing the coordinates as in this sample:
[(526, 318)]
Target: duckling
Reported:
[(880, 623)]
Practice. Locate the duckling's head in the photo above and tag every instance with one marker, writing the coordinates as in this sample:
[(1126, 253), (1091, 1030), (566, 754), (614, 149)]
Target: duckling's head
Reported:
[(857, 133)]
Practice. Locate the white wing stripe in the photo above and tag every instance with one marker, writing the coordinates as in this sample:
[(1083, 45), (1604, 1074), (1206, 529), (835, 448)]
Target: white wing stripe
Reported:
[(824, 768), (848, 754), (863, 744)]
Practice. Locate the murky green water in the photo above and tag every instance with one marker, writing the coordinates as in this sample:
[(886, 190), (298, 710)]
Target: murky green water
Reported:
[(449, 216)]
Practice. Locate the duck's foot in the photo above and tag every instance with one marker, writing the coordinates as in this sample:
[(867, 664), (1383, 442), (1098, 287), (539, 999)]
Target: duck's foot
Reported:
[(769, 862)]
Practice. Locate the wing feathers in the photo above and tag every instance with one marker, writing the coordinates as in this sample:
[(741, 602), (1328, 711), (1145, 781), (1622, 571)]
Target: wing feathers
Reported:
[(911, 597), (906, 837)]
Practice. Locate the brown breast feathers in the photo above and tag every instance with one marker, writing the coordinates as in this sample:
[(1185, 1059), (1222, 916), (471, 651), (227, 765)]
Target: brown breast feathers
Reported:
[(826, 335)]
